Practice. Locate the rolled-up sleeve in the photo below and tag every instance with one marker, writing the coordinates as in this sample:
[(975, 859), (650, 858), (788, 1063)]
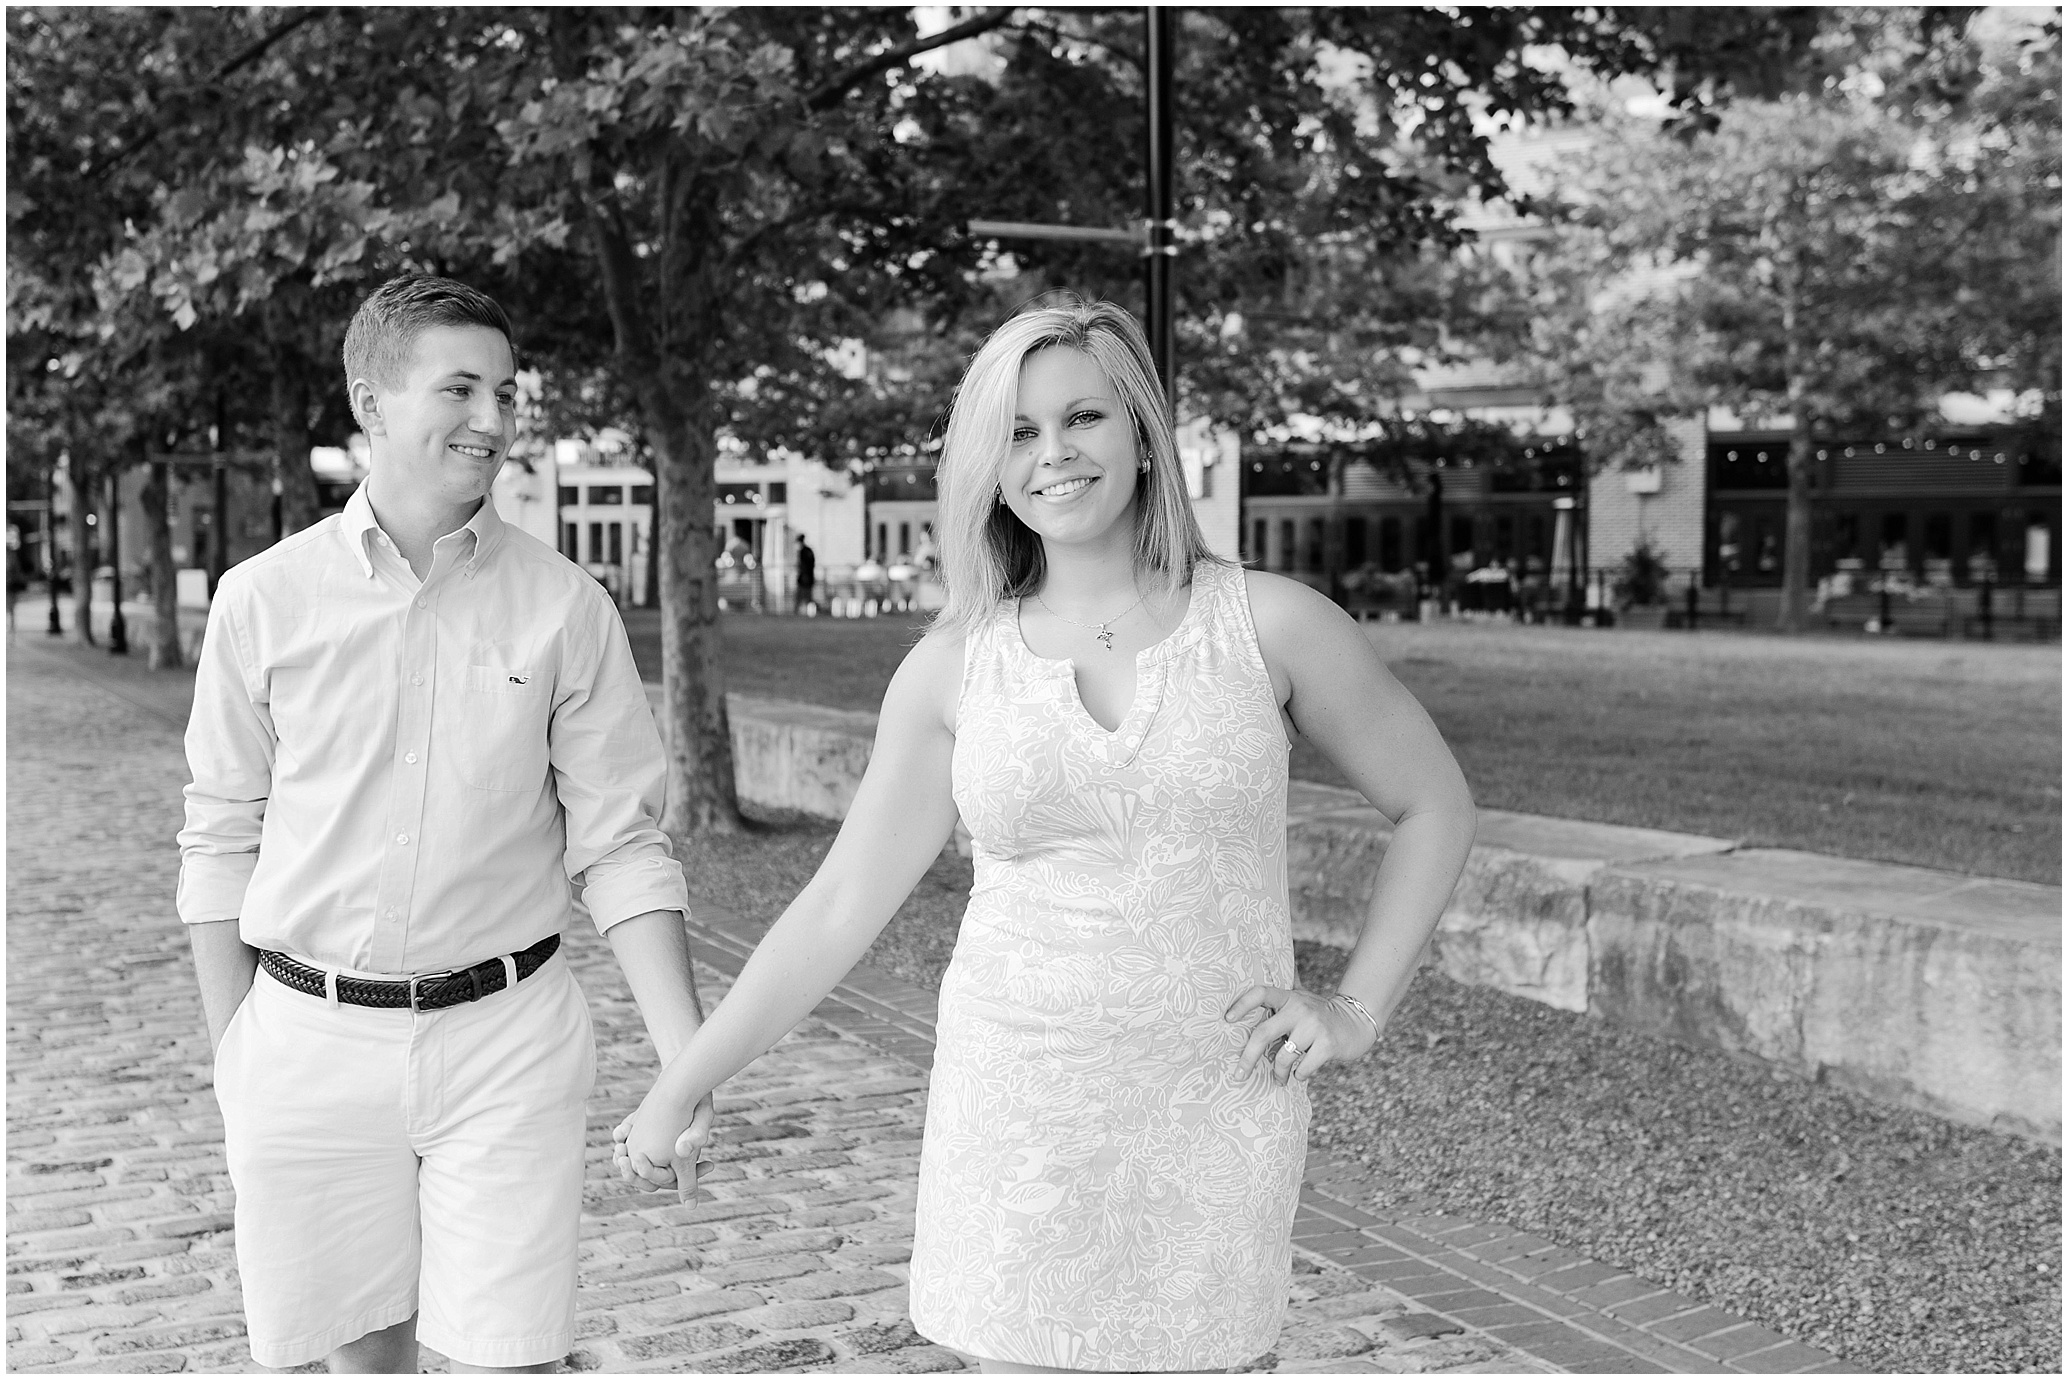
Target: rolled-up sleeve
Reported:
[(611, 776), (230, 747)]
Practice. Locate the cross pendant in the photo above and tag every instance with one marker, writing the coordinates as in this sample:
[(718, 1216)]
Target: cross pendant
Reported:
[(1106, 637)]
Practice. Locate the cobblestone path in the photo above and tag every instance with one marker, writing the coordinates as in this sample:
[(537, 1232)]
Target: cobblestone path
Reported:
[(118, 1207)]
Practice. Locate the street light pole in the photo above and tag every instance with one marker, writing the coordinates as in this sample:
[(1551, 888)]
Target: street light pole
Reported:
[(1161, 29)]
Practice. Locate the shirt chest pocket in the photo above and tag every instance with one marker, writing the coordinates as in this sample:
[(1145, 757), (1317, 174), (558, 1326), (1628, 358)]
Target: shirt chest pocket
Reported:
[(498, 729)]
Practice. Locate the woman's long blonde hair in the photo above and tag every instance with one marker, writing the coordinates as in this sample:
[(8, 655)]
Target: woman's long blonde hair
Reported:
[(988, 554)]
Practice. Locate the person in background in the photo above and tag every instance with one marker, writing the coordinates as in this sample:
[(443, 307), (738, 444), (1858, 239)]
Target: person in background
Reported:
[(415, 729), (807, 573)]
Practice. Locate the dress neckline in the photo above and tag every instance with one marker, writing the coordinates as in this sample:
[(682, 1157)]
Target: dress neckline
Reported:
[(1126, 735), (1155, 651)]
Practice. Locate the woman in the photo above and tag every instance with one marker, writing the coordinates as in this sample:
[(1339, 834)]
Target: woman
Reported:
[(1107, 1182)]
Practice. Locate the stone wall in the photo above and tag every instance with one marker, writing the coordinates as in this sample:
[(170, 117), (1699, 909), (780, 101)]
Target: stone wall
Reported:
[(1922, 989)]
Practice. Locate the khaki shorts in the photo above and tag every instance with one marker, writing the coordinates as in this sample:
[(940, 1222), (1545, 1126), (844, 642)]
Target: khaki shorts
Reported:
[(392, 1162)]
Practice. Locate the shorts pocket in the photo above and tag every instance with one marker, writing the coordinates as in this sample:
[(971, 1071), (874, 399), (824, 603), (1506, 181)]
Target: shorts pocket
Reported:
[(499, 729), (223, 1066)]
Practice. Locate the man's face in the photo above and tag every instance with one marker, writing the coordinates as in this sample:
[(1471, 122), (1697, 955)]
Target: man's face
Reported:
[(442, 435)]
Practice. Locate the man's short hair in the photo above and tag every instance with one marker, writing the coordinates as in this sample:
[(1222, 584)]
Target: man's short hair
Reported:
[(383, 333)]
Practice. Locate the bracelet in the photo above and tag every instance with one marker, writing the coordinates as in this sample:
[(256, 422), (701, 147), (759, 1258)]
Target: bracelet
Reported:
[(1356, 1008)]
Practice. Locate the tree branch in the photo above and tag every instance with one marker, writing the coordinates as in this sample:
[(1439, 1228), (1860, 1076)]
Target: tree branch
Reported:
[(620, 274), (252, 53), (829, 93)]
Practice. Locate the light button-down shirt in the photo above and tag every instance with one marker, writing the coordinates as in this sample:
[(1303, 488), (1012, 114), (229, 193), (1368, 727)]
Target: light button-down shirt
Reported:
[(398, 776)]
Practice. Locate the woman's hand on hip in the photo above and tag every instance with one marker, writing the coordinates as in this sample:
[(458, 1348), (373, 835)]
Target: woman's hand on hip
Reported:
[(1307, 1031)]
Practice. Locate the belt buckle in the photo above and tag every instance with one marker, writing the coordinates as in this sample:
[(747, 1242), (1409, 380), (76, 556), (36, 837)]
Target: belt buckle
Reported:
[(416, 978)]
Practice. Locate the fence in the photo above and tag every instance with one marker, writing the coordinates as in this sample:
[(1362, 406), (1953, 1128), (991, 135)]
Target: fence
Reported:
[(1676, 598), (867, 590)]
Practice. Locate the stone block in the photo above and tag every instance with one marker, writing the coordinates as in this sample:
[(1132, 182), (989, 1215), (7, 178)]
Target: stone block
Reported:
[(1924, 989)]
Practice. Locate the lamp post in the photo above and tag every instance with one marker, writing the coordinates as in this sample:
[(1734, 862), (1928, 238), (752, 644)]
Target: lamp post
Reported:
[(1161, 32), (1156, 235)]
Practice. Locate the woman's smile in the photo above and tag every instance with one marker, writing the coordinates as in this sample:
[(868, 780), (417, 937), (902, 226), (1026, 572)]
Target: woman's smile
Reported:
[(1066, 488)]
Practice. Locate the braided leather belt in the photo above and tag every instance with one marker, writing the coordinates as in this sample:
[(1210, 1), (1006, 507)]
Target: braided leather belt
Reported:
[(420, 992)]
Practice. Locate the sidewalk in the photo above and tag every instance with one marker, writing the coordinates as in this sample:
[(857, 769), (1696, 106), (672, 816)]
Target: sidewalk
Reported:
[(118, 1207)]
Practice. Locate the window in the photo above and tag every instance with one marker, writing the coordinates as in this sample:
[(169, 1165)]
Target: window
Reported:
[(1287, 541), (571, 541), (1353, 543), (1845, 536), (1314, 544), (1938, 536), (739, 493), (569, 495), (1981, 544), (882, 540), (642, 493), (595, 542), (606, 493), (617, 543), (1895, 541), (779, 492), (1460, 538), (1259, 543), (904, 537), (1389, 543)]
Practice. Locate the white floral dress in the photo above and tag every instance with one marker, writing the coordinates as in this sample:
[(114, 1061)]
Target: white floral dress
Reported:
[(1099, 1190)]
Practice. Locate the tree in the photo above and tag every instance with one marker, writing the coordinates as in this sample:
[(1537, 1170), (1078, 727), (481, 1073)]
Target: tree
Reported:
[(750, 188), (1815, 256)]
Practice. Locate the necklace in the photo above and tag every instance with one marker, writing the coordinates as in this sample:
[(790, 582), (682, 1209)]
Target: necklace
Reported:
[(1105, 629)]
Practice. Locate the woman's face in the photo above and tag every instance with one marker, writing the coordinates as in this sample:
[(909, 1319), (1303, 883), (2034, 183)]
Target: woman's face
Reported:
[(1070, 473)]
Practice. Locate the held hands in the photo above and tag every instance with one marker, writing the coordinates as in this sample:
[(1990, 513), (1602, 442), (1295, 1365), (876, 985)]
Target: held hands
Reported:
[(659, 1150), (1309, 1031)]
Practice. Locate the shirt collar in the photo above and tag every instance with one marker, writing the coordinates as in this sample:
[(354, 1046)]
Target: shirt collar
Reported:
[(360, 527), (487, 527)]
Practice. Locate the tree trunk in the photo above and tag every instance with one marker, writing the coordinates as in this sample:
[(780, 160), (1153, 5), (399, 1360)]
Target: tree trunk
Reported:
[(682, 427), (1795, 538), (163, 647), (653, 558), (701, 796), (1795, 530), (84, 557), (300, 504)]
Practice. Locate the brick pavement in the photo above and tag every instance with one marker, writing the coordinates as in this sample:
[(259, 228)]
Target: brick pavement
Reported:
[(118, 1240)]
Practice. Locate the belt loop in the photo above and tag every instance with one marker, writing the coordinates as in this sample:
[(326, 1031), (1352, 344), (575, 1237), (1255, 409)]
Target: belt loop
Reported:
[(509, 971), (330, 987)]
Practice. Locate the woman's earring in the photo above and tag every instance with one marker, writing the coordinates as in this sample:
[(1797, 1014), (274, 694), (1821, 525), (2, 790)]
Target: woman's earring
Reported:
[(1001, 495), (1143, 467)]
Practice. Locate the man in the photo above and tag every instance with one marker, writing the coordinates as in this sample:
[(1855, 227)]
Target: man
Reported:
[(415, 731), (807, 572)]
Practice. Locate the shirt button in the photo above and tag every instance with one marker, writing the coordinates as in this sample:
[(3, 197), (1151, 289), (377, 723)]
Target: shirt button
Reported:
[(410, 758), (420, 603), (402, 838), (417, 679)]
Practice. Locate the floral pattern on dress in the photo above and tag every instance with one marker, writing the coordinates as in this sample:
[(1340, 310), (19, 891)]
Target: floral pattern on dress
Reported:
[(1098, 1189)]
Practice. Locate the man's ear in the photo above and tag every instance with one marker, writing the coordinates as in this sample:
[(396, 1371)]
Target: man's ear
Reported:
[(366, 407)]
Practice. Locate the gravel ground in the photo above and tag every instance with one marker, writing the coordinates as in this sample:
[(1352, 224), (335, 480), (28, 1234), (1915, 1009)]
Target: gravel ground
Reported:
[(1898, 1241)]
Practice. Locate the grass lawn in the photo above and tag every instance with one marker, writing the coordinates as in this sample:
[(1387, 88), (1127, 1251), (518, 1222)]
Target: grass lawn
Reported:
[(1939, 754)]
